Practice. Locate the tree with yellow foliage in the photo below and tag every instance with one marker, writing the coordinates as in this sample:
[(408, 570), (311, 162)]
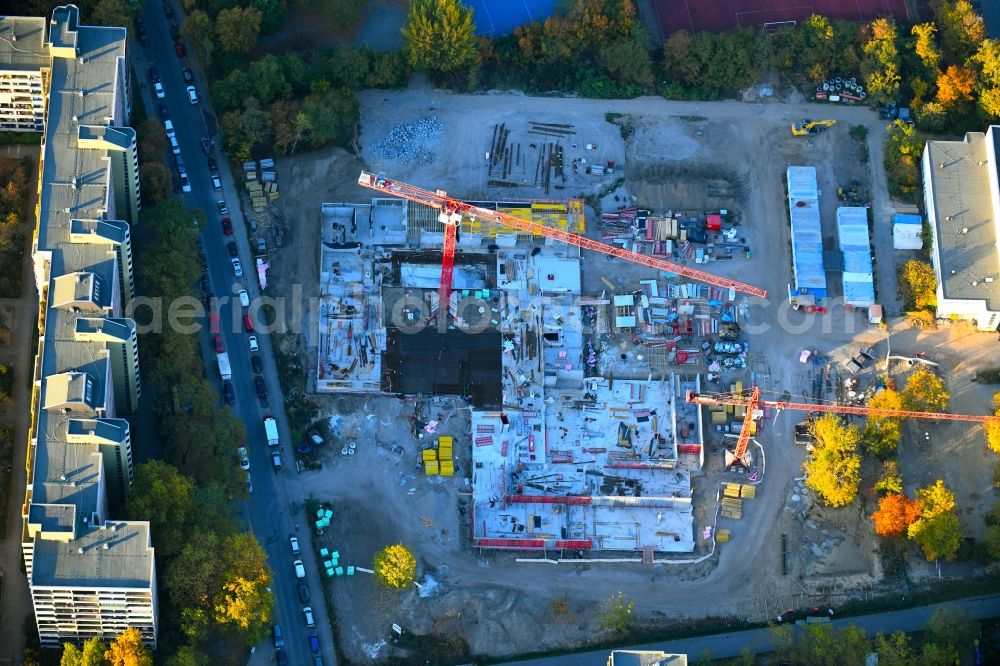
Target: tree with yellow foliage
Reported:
[(926, 46), (440, 37), (918, 285), (128, 650), (991, 429), (834, 470), (881, 433), (395, 566), (925, 392), (938, 530)]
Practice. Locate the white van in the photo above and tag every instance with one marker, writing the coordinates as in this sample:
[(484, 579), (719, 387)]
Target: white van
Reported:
[(175, 147), (170, 128)]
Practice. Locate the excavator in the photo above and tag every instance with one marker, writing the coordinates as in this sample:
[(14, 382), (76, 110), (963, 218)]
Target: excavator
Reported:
[(807, 127)]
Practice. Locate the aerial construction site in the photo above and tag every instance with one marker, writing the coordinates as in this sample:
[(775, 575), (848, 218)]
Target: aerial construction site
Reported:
[(565, 353)]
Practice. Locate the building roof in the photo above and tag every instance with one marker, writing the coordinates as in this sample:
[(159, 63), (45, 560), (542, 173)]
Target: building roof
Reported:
[(22, 43), (646, 658), (965, 218), (116, 554), (67, 477)]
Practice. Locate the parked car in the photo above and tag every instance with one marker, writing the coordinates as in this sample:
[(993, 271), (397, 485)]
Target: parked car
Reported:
[(261, 386), (140, 29), (244, 298), (216, 182), (179, 49), (248, 324), (227, 226), (281, 657), (256, 364), (158, 89), (192, 94), (249, 483), (164, 113), (206, 146), (275, 460), (185, 184), (228, 394), (167, 9), (279, 640), (307, 611), (303, 593), (212, 164), (154, 74), (244, 458), (219, 347), (300, 573), (253, 343), (175, 147), (168, 126), (313, 642), (233, 250), (293, 542), (188, 76), (237, 267), (223, 208)]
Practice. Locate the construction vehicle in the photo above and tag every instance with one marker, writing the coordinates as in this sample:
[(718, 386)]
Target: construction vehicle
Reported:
[(452, 212), (753, 402), (807, 127)]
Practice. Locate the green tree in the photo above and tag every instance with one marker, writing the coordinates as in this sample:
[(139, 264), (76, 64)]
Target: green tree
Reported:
[(440, 37), (938, 530), (834, 471), (188, 655), (627, 61), (902, 158), (881, 62), (935, 654), (267, 80), (166, 498), (199, 32), (92, 654), (918, 285), (237, 29), (331, 116), (272, 14), (962, 29), (822, 645), (155, 183), (992, 541), (953, 627), (395, 566), (128, 650), (890, 480), (894, 649), (244, 601), (616, 614), (925, 392), (112, 12)]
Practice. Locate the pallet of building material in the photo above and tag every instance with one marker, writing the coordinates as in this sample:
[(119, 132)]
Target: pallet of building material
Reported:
[(251, 176), (273, 196), (267, 163), (431, 467), (268, 176), (732, 503), (249, 166), (731, 490), (748, 492), (447, 468), (722, 536), (735, 514), (428, 455)]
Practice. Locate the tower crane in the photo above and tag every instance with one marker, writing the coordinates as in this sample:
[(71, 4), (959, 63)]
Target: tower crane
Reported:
[(743, 399), (752, 401), (452, 211)]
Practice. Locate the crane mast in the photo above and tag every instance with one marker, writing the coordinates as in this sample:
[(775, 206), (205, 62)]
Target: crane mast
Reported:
[(454, 207)]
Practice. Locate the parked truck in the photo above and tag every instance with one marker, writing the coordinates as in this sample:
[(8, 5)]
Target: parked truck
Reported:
[(271, 431), (224, 370)]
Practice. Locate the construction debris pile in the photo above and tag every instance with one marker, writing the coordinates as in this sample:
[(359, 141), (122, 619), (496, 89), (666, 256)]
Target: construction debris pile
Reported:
[(417, 141), (703, 237)]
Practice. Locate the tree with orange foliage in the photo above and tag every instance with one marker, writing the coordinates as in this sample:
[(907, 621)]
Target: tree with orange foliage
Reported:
[(955, 85), (896, 512)]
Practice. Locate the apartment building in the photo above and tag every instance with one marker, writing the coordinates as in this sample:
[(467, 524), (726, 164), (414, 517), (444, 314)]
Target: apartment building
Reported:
[(962, 200), (90, 575), (23, 74)]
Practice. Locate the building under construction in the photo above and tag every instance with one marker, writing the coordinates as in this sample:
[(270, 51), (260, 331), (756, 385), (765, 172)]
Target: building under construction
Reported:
[(580, 435)]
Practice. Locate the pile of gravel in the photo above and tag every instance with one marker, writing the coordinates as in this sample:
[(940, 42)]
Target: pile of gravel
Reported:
[(415, 141)]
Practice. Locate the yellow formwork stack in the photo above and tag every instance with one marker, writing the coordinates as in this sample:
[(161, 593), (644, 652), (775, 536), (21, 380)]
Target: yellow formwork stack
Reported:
[(447, 465), (430, 462)]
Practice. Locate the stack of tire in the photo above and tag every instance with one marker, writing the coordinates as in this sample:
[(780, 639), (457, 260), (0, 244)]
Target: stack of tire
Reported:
[(839, 89)]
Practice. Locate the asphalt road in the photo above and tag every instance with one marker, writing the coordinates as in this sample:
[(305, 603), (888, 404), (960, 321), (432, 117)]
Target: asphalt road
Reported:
[(267, 512), (720, 646)]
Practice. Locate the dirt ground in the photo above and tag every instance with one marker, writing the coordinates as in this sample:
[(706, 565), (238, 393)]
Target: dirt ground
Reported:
[(678, 155)]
